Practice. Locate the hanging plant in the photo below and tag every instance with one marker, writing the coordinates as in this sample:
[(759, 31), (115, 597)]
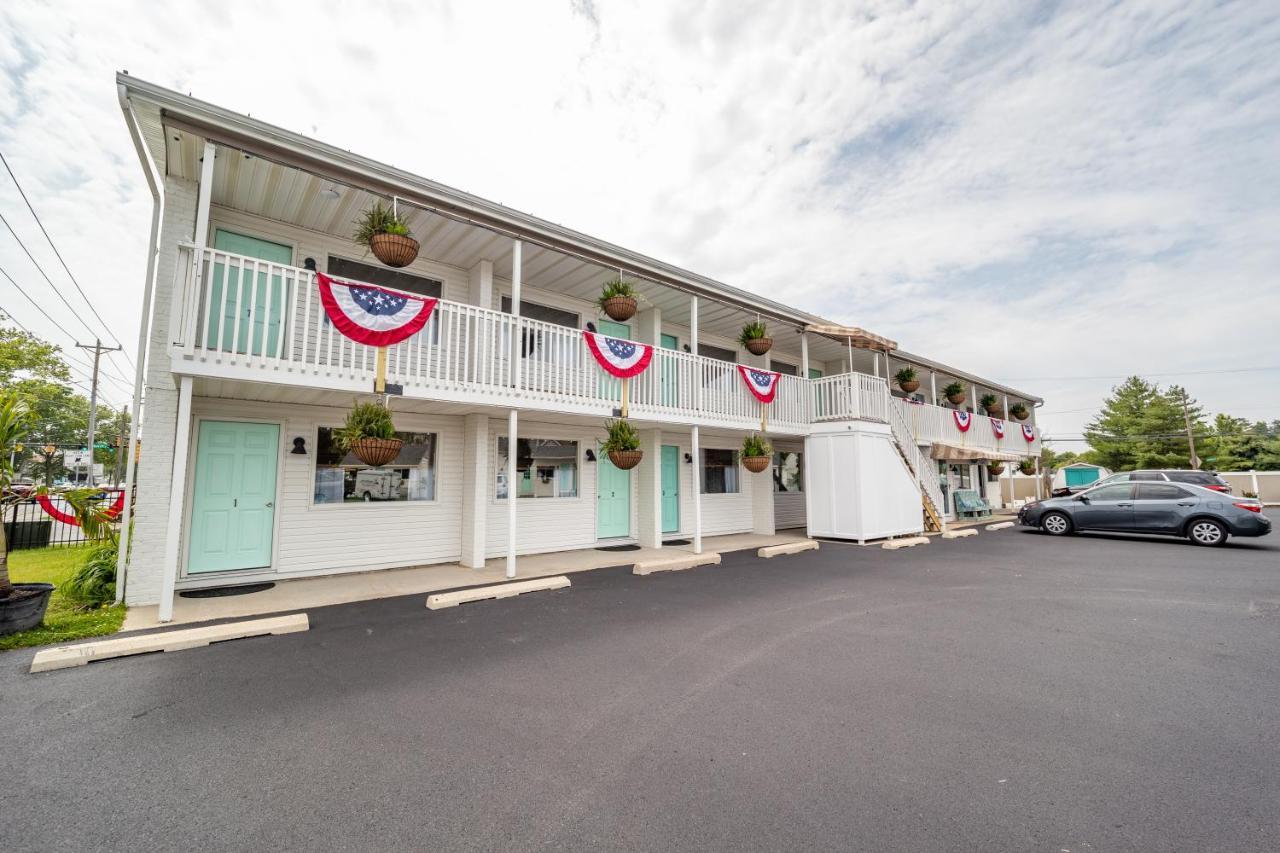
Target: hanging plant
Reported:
[(995, 469), (622, 444), (755, 338), (990, 403), (1027, 466), (955, 393), (384, 233), (370, 435), (757, 453), (1019, 411), (618, 299), (906, 379)]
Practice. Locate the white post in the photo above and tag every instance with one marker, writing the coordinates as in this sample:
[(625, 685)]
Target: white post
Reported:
[(697, 493), (693, 350), (933, 387), (1005, 413), (512, 494), (517, 344), (804, 355), (1253, 478), (475, 488), (177, 498)]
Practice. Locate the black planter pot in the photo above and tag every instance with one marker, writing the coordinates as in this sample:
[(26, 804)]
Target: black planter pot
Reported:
[(24, 610)]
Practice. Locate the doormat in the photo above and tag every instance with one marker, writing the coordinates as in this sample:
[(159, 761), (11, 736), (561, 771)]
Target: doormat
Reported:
[(220, 591), (675, 542), (619, 548)]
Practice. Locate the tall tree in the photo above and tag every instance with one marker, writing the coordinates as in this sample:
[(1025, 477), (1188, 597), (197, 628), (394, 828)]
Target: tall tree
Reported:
[(1141, 426)]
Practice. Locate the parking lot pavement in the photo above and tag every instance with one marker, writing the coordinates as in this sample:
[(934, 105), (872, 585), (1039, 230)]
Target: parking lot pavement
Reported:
[(1008, 691)]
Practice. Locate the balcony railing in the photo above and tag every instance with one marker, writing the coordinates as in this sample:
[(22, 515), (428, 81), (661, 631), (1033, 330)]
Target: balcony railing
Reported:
[(247, 318)]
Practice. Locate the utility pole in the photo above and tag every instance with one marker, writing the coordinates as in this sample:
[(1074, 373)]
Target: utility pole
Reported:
[(1191, 440), (98, 350)]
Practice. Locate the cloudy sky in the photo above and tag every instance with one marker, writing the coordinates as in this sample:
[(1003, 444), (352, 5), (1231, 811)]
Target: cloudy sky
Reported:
[(1049, 194)]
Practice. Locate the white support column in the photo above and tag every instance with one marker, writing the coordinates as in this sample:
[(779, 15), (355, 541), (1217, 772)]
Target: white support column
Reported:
[(697, 492), (516, 342), (875, 358), (480, 284), (1006, 406), (205, 196), (804, 355), (933, 387), (475, 489), (649, 481), (512, 493), (177, 500), (761, 501), (649, 326)]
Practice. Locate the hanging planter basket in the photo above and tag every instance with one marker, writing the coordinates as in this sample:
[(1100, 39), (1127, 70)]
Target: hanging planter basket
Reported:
[(995, 412), (619, 308), (394, 250), (759, 346), (376, 452), (956, 399), (625, 460), (1020, 414), (1026, 466), (756, 464), (910, 386), (995, 469)]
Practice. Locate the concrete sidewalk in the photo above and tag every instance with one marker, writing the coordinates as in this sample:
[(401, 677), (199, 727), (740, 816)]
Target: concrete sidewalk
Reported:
[(305, 593)]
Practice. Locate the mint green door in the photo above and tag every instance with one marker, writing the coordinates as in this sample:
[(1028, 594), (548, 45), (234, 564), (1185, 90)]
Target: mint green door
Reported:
[(610, 388), (613, 500), (268, 298), (670, 378), (233, 497), (670, 488)]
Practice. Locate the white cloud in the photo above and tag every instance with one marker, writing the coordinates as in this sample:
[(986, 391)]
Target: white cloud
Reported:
[(1024, 190)]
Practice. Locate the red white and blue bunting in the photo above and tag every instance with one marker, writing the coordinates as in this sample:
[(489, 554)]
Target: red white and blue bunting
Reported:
[(763, 384), (618, 356), (373, 315), (997, 427), (1028, 432), (964, 420)]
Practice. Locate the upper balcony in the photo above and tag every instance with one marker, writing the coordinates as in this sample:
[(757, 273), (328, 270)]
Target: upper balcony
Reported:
[(238, 317)]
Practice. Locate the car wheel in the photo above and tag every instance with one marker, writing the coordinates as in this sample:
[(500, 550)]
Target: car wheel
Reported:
[(1206, 531), (1055, 524), (367, 497)]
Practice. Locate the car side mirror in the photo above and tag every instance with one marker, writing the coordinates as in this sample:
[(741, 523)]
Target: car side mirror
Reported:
[(1084, 499)]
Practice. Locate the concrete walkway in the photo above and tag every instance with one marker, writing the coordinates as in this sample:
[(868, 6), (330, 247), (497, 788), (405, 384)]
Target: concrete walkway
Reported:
[(305, 593)]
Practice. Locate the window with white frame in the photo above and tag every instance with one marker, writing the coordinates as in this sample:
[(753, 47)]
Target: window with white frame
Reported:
[(788, 472), (719, 471), (342, 478), (545, 468)]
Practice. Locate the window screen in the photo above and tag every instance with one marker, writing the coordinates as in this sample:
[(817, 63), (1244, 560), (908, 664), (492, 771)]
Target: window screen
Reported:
[(343, 268), (719, 471), (545, 313)]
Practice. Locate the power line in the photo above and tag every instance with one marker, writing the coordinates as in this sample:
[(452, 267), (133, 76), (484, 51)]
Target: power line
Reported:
[(1140, 373), (58, 254)]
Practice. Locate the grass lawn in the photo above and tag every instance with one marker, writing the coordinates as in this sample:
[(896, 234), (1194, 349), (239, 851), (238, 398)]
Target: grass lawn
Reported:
[(62, 622)]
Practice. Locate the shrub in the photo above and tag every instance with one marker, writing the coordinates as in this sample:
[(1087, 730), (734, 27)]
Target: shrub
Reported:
[(622, 436), (378, 219), (93, 583), (365, 420), (753, 331), (756, 445)]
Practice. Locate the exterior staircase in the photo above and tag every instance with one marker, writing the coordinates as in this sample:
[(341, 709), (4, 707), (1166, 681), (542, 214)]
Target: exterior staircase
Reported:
[(920, 466)]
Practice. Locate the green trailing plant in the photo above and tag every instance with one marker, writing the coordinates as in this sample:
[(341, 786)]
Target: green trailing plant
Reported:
[(753, 331), (756, 445), (622, 437), (16, 420), (955, 389), (989, 401), (905, 375), (365, 420), (93, 583), (1027, 466), (1018, 410), (379, 219), (616, 287)]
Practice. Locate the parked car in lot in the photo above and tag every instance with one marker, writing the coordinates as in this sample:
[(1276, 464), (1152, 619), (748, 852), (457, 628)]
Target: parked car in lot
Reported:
[(1207, 479), (1204, 516)]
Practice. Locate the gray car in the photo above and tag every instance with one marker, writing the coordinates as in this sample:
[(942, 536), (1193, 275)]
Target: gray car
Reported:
[(1173, 509)]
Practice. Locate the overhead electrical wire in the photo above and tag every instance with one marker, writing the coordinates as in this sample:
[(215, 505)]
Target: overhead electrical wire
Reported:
[(58, 254), (1143, 374)]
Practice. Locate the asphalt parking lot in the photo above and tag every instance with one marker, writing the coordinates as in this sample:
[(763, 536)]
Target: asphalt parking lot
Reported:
[(1005, 692)]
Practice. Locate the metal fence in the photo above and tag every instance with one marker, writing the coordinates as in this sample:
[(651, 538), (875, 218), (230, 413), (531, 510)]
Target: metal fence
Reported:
[(28, 525)]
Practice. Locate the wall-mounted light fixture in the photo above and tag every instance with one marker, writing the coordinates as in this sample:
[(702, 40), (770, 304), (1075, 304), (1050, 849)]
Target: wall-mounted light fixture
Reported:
[(331, 192), (591, 327), (309, 263), (591, 455), (688, 459), (299, 447)]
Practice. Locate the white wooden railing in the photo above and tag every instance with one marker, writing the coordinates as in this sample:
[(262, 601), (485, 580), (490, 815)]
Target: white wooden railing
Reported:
[(929, 424), (922, 465)]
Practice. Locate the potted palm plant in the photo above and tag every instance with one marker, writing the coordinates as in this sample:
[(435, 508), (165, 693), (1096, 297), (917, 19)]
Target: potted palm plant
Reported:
[(370, 435), (755, 338), (1019, 411), (22, 605), (622, 445), (1027, 466), (757, 453), (618, 299), (384, 233), (990, 404), (907, 381), (954, 392)]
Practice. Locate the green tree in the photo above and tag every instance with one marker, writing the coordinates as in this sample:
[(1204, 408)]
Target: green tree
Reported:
[(1141, 426), (1237, 445)]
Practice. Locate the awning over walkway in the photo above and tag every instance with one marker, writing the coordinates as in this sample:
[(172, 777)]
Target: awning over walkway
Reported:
[(853, 336), (959, 453)]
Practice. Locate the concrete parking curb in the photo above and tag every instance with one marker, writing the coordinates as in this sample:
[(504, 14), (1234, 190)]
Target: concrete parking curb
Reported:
[(1003, 525), (165, 641), (500, 590), (908, 542), (959, 534), (675, 564), (770, 551)]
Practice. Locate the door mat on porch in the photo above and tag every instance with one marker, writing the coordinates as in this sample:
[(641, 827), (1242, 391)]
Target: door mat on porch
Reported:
[(220, 591), (675, 541), (619, 548)]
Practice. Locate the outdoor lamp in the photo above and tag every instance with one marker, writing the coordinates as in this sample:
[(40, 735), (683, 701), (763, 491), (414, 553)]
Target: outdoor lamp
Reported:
[(591, 455), (299, 447)]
